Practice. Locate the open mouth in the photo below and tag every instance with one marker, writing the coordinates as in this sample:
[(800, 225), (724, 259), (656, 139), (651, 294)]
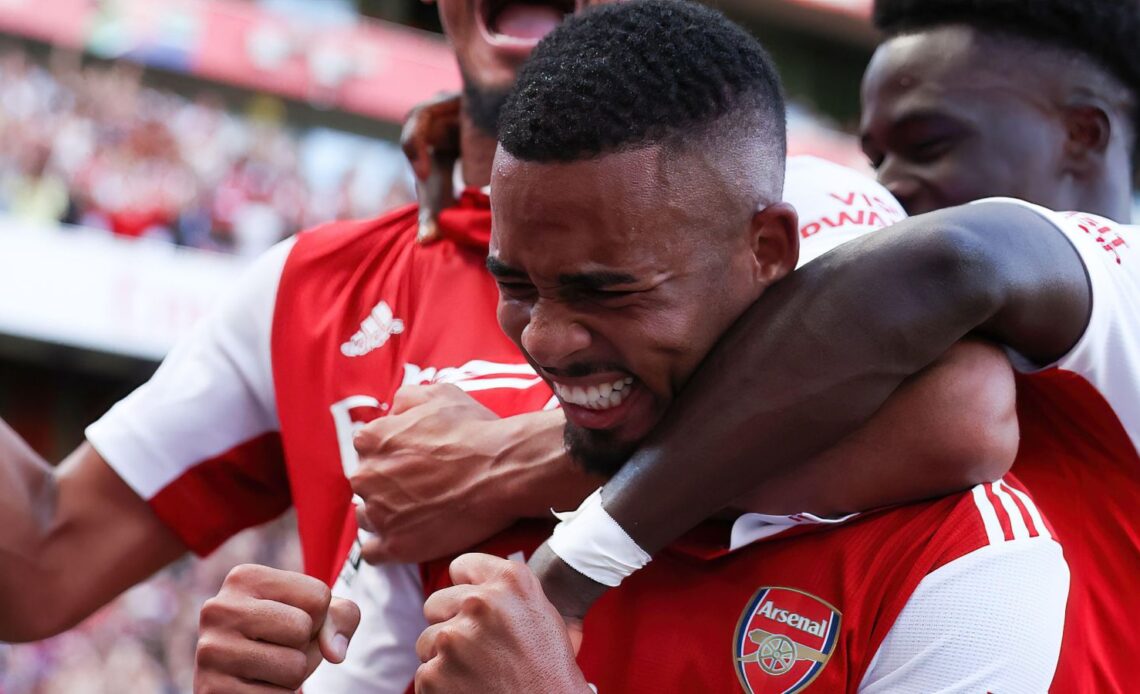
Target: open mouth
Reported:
[(523, 21)]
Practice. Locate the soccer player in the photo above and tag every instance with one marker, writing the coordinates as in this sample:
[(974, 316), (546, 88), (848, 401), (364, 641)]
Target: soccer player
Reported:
[(626, 241), (1030, 99), (257, 410), (1033, 99)]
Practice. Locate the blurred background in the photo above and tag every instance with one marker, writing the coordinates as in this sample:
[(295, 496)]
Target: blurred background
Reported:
[(150, 148)]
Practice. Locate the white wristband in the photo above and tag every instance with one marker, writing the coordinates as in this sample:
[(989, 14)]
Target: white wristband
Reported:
[(593, 544)]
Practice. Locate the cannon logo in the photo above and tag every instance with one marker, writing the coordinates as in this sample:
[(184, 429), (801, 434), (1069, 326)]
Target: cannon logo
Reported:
[(783, 640)]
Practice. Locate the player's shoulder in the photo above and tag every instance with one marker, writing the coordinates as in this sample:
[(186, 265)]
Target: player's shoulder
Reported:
[(994, 517), (357, 237), (1120, 243)]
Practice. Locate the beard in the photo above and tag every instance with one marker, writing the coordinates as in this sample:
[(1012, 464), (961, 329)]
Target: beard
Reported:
[(598, 452), (483, 104)]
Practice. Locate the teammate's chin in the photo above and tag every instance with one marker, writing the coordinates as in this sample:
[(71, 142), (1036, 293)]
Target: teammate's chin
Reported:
[(599, 451)]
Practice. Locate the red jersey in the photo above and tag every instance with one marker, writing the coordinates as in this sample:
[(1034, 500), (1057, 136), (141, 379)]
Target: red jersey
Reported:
[(905, 599), (1080, 432)]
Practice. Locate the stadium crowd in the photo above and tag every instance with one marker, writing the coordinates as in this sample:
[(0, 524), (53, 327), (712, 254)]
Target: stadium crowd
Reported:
[(93, 145)]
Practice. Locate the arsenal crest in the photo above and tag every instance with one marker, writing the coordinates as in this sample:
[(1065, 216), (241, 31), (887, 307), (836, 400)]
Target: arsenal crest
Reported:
[(783, 641)]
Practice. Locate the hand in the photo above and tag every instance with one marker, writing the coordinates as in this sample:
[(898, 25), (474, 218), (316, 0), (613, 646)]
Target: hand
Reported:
[(431, 142), (494, 631), (442, 473), (267, 630)]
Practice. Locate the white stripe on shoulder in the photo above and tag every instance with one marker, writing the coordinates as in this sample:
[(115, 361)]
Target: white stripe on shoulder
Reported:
[(994, 532)]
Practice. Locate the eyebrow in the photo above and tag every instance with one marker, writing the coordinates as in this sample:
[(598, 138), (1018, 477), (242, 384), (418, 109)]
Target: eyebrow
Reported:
[(580, 280), (500, 269)]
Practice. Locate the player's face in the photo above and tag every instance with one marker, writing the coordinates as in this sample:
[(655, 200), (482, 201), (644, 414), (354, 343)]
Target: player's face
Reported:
[(492, 38), (943, 128), (615, 281)]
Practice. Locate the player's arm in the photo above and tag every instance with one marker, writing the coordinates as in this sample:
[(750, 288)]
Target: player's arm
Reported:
[(71, 539), (124, 505), (439, 453), (822, 351), (945, 429)]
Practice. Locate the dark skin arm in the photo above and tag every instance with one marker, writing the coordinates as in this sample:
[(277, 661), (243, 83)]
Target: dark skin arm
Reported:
[(826, 347), (71, 539)]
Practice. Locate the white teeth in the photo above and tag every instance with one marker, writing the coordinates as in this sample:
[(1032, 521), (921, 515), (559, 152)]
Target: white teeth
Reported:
[(597, 397)]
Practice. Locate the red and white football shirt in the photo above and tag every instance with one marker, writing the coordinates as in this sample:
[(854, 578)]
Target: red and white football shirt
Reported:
[(961, 594), (257, 409), (1080, 433)]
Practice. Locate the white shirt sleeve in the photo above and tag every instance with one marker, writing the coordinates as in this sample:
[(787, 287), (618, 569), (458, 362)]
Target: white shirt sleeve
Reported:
[(1108, 354), (835, 204), (212, 399), (990, 621)]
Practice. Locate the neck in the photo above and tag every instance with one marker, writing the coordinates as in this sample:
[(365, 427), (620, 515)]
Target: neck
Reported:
[(478, 151)]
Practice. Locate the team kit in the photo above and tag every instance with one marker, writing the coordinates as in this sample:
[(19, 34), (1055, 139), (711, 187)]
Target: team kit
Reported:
[(652, 406)]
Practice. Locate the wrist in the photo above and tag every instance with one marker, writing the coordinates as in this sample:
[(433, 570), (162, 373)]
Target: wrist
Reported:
[(533, 472), (571, 593)]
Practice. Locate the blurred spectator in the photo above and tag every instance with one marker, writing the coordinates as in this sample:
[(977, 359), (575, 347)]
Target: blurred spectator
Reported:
[(92, 145)]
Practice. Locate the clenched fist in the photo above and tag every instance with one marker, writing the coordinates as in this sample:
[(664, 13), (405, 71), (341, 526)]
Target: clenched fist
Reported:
[(267, 630), (494, 631)]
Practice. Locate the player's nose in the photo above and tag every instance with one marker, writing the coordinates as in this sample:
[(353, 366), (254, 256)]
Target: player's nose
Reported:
[(553, 335)]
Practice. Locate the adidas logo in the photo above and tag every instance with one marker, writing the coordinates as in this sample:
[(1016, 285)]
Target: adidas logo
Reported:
[(374, 331)]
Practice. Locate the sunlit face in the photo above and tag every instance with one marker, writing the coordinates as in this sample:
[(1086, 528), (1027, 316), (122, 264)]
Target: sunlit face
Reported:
[(492, 38), (616, 277), (946, 122)]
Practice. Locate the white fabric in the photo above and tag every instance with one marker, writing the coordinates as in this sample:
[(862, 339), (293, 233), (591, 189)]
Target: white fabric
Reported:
[(835, 204), (381, 657), (990, 621), (1108, 354), (213, 392), (595, 545), (753, 527)]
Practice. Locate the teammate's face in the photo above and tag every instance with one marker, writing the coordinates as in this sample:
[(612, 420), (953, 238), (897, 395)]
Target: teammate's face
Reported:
[(942, 126), (616, 277), (492, 38)]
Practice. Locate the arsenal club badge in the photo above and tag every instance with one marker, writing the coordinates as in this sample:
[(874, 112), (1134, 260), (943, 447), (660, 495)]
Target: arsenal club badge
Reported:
[(783, 640)]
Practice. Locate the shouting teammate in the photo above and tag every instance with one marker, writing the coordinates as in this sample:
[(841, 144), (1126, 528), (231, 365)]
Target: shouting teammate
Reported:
[(626, 240)]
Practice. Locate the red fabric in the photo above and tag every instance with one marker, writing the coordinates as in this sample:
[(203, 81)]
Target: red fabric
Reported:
[(1084, 473), (333, 279), (673, 627), (249, 477)]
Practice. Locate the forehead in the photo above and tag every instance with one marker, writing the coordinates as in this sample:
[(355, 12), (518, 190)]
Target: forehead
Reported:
[(620, 208), (953, 66)]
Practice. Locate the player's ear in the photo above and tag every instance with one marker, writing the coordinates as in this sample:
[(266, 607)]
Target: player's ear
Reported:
[(1088, 132), (775, 242)]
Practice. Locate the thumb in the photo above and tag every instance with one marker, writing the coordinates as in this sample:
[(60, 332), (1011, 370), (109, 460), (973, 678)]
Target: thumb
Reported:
[(340, 624)]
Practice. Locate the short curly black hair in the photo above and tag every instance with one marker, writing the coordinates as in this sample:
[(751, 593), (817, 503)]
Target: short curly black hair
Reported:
[(628, 75), (1108, 31)]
